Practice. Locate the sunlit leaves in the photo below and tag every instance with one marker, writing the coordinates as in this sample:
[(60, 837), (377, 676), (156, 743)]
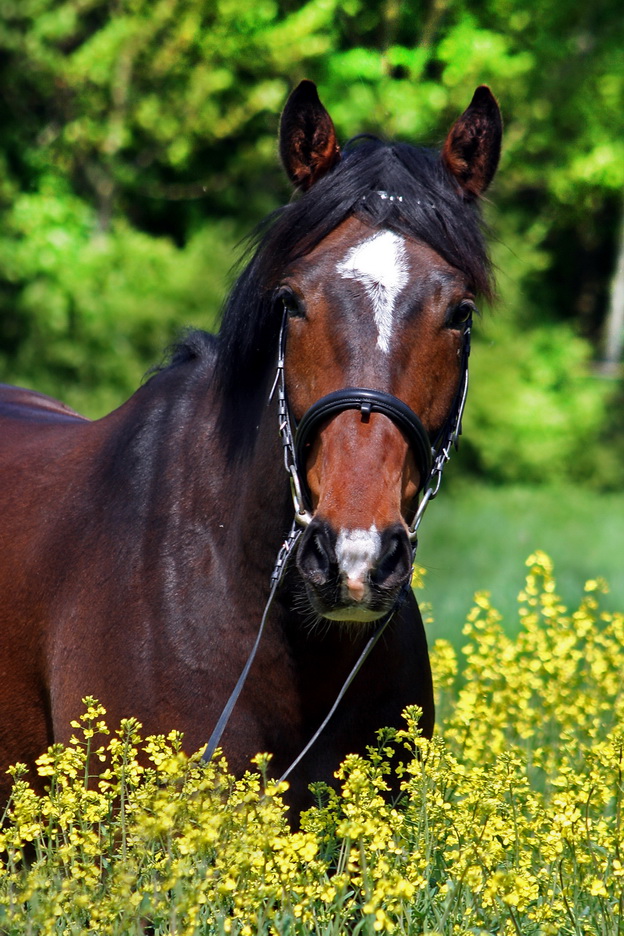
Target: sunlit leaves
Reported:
[(160, 116)]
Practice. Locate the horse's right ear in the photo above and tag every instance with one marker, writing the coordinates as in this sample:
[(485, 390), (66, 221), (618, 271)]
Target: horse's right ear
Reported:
[(308, 143)]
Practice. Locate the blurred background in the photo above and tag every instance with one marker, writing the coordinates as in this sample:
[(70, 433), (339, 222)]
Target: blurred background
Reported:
[(138, 146)]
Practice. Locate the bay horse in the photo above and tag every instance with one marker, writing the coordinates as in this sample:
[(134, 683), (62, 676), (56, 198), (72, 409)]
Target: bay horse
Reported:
[(137, 549)]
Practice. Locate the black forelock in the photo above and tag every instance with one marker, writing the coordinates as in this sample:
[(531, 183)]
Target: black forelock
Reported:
[(390, 185)]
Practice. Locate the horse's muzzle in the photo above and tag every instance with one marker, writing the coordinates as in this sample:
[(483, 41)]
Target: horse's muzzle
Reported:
[(354, 575)]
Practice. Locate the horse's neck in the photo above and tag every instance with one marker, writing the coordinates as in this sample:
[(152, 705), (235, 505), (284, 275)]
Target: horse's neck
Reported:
[(261, 489), (226, 459), (176, 465)]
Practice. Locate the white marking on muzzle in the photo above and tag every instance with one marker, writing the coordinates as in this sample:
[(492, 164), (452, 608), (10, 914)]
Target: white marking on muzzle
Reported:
[(380, 264), (357, 552)]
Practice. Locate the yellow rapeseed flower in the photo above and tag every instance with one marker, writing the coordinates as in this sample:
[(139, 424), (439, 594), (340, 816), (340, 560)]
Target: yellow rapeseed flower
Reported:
[(508, 820)]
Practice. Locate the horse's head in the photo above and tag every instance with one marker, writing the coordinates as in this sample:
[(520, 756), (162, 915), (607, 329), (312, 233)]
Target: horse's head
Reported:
[(382, 303)]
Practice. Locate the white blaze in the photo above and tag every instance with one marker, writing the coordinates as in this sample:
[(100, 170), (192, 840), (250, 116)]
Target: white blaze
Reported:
[(380, 264)]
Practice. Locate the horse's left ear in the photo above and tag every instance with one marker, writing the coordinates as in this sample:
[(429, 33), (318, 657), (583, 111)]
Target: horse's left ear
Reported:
[(472, 148), (308, 143)]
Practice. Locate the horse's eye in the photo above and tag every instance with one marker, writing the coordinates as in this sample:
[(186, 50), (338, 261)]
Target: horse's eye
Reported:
[(459, 314), (291, 303)]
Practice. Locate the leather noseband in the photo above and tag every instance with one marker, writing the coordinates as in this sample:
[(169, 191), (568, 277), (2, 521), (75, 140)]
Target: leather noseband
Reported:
[(367, 402)]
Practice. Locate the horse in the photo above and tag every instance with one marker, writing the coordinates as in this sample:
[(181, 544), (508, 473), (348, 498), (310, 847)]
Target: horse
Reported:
[(138, 549)]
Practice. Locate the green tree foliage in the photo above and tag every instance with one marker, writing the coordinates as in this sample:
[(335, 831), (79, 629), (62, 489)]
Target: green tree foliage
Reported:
[(138, 143), (130, 130)]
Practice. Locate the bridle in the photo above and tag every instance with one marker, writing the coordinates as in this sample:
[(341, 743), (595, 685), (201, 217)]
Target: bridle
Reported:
[(431, 458)]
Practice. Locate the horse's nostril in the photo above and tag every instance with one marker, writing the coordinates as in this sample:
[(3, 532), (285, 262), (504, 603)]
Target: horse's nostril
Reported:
[(395, 560), (320, 549), (316, 553)]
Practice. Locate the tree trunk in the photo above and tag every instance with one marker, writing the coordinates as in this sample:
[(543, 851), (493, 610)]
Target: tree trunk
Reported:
[(613, 341)]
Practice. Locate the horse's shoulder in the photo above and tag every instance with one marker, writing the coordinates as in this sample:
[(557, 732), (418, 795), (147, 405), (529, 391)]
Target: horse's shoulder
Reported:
[(20, 403)]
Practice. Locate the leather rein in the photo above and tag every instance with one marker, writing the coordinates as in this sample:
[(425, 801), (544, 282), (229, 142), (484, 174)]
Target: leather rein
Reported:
[(431, 459)]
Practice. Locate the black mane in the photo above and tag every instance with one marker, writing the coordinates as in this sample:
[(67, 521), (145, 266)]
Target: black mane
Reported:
[(426, 206)]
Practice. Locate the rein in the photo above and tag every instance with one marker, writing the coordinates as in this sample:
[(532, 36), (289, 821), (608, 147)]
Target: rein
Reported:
[(430, 458)]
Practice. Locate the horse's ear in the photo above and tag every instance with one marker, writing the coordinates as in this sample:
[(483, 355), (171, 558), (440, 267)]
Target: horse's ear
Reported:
[(472, 148), (308, 144)]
